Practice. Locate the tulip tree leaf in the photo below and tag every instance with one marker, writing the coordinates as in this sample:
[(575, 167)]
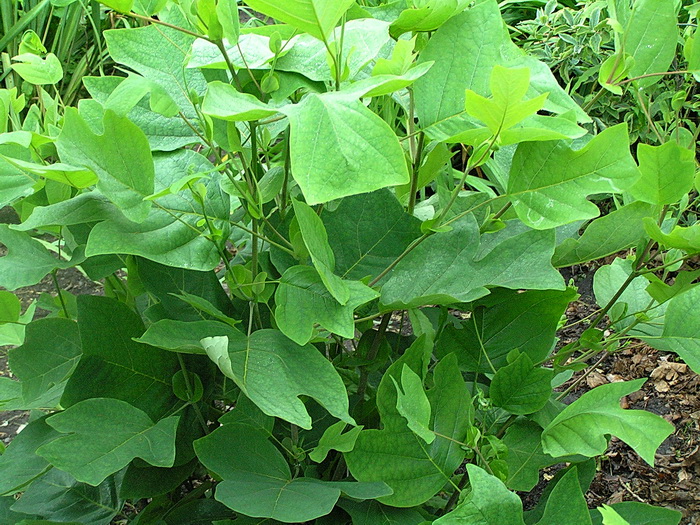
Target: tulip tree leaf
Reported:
[(182, 336), (641, 514), (225, 102), (521, 388), (302, 301), (341, 148), (115, 366), (458, 265), (566, 503), (58, 497), (36, 70), (27, 262), (316, 17), (374, 513), (681, 237), (170, 233), (667, 173), (525, 456), (273, 371), (366, 243), (258, 481), (333, 438), (10, 307), (413, 404), (316, 241), (488, 503), (396, 455), (549, 181), (581, 427), (49, 354), (104, 435)]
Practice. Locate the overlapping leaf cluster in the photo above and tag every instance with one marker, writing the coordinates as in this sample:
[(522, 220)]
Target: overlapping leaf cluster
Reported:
[(265, 203)]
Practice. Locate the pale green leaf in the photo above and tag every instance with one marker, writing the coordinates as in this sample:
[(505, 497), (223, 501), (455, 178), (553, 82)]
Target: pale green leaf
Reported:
[(459, 265), (333, 438), (10, 307), (273, 372), (582, 426), (488, 503), (667, 173), (520, 387), (549, 181), (228, 16), (413, 404), (225, 102), (303, 301), (316, 17), (182, 336), (71, 175), (686, 238), (104, 435), (610, 517), (427, 16), (37, 70), (341, 148), (639, 513), (120, 157), (122, 6)]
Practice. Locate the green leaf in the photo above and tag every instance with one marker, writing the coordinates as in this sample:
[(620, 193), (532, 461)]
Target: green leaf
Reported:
[(316, 241), (273, 372), (374, 513), (651, 38), (549, 181), (76, 177), (396, 455), (122, 6), (36, 70), (13, 334), (521, 388), (228, 16), (680, 237), (104, 436), (364, 243), (641, 514), (427, 16), (49, 354), (258, 482), (57, 496), (334, 439), (170, 233), (10, 307), (581, 427), (341, 148), (613, 70), (413, 404), (667, 173), (115, 366), (148, 482), (681, 332), (566, 503), (14, 183), (303, 301), (120, 157), (488, 503), (610, 517), (615, 231), (225, 102), (19, 464), (27, 262), (81, 209), (129, 93), (458, 265), (507, 106), (182, 336), (316, 17)]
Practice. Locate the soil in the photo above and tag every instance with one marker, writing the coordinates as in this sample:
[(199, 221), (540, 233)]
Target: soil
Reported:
[(671, 391)]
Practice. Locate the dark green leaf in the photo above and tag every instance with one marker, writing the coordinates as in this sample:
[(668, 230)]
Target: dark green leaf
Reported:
[(19, 464), (521, 388)]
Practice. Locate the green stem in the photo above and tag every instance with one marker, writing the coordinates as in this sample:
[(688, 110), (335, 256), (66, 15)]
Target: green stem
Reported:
[(415, 172), (60, 293)]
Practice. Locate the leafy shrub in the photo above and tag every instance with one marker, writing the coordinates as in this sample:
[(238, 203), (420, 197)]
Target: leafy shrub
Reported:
[(272, 206)]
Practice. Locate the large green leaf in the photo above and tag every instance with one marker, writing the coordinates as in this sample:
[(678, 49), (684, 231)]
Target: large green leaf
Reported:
[(566, 503), (316, 240), (160, 54), (257, 481), (606, 235), (182, 336), (374, 513), (171, 233), (302, 301), (14, 183), (488, 503), (582, 426), (667, 173), (681, 332), (163, 133), (225, 102), (681, 237), (415, 470), (316, 17), (413, 404), (57, 496), (83, 208), (19, 464), (367, 232), (340, 148), (27, 262), (115, 366), (549, 181), (651, 38), (273, 371), (641, 514), (521, 388), (50, 352), (120, 156), (458, 265), (104, 436)]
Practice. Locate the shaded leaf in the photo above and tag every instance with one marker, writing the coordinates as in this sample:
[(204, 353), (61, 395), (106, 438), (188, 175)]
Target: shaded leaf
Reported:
[(520, 387), (19, 464)]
